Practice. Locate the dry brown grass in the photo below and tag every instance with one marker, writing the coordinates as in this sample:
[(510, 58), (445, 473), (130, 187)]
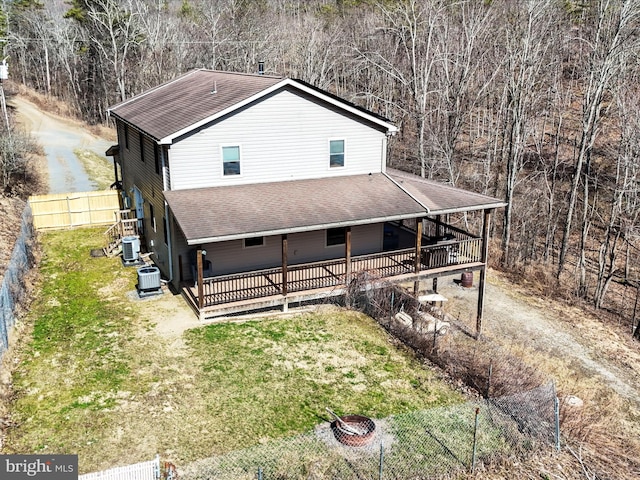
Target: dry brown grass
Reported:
[(600, 437)]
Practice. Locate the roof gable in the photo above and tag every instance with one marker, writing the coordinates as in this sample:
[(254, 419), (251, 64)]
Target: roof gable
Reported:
[(189, 100), (201, 96), (438, 198)]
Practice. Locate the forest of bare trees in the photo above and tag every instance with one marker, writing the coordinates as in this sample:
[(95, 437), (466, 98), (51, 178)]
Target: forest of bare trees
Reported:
[(532, 101)]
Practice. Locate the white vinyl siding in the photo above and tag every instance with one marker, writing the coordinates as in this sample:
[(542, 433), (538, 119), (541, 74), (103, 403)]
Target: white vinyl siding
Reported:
[(284, 137)]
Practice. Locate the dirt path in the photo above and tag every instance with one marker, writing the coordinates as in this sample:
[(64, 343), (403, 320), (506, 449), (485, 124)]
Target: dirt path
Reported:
[(562, 334)]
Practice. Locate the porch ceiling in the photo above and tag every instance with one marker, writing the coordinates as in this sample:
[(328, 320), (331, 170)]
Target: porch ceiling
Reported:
[(439, 198), (240, 211)]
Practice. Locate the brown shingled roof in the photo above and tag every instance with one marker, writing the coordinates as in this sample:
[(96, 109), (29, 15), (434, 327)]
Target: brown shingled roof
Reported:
[(187, 100), (239, 211), (439, 198)]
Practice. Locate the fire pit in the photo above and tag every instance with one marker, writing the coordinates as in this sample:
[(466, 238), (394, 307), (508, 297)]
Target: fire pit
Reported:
[(353, 430)]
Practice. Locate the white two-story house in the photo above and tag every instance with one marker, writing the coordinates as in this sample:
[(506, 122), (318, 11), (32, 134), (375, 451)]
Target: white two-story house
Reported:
[(256, 190)]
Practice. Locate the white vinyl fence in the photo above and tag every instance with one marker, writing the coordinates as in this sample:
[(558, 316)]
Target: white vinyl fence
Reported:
[(149, 470)]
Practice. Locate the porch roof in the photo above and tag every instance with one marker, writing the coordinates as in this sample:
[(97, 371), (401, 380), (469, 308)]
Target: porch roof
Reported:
[(438, 198), (218, 214), (242, 211)]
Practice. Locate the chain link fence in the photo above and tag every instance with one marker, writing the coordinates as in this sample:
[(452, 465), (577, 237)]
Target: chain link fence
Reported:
[(12, 289), (428, 444)]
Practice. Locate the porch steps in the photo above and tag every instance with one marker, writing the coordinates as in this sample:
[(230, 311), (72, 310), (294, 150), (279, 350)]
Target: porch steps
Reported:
[(126, 225)]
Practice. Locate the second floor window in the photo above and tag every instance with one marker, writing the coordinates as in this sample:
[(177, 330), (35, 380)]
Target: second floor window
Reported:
[(336, 153), (141, 138), (156, 156), (231, 160)]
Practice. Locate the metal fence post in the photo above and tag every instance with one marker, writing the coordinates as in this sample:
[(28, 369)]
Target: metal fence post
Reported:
[(259, 473), (435, 333), (475, 441), (557, 418), (381, 461), (391, 308)]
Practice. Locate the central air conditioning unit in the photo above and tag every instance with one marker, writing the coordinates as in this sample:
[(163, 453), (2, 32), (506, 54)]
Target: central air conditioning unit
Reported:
[(130, 249), (148, 279)]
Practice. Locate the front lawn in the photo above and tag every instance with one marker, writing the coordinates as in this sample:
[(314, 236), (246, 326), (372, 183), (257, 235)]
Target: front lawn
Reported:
[(97, 378)]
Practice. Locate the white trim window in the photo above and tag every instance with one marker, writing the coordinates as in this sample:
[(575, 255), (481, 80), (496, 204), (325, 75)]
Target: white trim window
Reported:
[(230, 160), (253, 242), (336, 153), (152, 217)]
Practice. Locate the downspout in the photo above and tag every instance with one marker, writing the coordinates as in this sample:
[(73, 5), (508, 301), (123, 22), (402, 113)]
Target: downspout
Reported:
[(166, 213), (385, 150), (383, 154)]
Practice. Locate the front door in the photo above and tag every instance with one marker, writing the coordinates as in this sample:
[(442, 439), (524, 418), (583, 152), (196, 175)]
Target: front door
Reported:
[(138, 201)]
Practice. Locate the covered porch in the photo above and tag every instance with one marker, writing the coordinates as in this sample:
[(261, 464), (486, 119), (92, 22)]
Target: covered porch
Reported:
[(440, 250), (400, 228)]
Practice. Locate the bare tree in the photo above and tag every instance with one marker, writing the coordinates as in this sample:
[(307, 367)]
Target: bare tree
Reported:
[(607, 45), (621, 219), (115, 33), (459, 85), (408, 34), (527, 37)]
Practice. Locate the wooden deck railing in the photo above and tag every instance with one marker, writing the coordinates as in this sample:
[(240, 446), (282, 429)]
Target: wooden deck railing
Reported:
[(332, 273), (241, 286), (311, 276), (124, 227)]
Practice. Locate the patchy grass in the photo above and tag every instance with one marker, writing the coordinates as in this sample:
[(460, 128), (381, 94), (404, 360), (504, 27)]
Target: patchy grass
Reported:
[(272, 378), (96, 378), (77, 359), (98, 168)]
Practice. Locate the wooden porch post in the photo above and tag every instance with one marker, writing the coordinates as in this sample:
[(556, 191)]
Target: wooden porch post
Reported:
[(347, 254), (434, 282), (418, 262), (483, 270), (199, 275), (285, 259), (418, 245)]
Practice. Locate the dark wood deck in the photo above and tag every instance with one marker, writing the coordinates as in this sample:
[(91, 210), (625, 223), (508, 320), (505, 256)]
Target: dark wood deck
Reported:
[(246, 291)]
